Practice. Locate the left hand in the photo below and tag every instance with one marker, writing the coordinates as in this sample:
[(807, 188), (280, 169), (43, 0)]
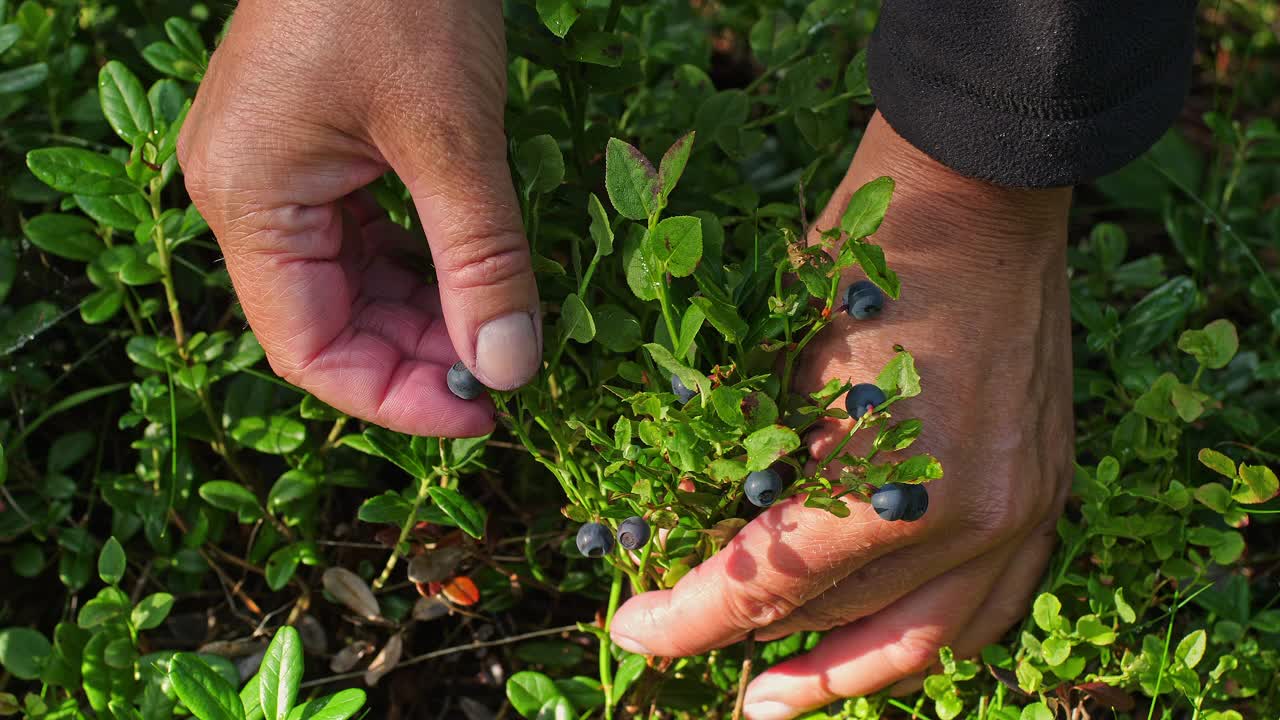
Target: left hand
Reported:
[(984, 309)]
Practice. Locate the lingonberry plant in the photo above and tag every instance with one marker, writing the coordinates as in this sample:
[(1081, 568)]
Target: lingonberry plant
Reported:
[(180, 523)]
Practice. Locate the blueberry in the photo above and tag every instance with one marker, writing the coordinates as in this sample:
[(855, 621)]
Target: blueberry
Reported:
[(900, 501), (682, 392), (594, 540), (633, 533), (462, 383), (762, 487), (863, 300), (862, 398)]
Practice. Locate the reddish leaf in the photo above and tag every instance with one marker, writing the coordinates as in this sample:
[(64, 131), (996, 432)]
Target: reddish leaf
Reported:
[(1107, 695), (461, 591)]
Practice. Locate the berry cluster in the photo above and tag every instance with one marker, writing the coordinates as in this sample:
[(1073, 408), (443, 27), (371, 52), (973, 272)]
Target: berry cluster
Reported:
[(594, 539)]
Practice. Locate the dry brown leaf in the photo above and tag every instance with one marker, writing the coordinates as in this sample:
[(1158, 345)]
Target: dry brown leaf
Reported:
[(385, 661), (427, 609), (436, 565), (351, 590), (349, 656)]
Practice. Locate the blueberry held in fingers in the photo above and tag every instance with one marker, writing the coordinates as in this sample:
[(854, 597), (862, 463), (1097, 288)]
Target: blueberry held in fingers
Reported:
[(863, 398), (919, 503), (462, 383), (682, 392), (762, 487), (633, 533), (594, 540), (863, 300)]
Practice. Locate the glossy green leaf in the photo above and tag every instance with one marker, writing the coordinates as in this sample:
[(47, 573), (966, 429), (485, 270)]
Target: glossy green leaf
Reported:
[(339, 706), (73, 170), (558, 15), (576, 322), (280, 674), (1214, 346), (205, 693), (528, 691), (23, 652), (274, 435), (23, 78), (631, 180), (469, 516), (67, 236), (111, 561), (866, 208), (124, 102), (151, 611), (232, 497)]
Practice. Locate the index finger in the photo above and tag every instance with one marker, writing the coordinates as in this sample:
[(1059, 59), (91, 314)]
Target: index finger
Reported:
[(782, 559)]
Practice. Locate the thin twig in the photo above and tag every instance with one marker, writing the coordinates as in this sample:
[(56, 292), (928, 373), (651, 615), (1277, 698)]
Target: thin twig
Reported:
[(448, 651), (744, 678)]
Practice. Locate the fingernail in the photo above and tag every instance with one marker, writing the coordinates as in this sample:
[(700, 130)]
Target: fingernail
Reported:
[(769, 710), (630, 645), (508, 351)]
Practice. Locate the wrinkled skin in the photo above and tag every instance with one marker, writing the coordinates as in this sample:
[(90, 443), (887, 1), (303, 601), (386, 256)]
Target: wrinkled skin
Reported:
[(307, 102), (984, 310), (303, 105)]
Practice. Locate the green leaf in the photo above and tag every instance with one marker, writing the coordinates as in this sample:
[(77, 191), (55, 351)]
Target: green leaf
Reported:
[(1157, 402), (232, 497), (385, 509), (8, 268), (871, 259), (109, 604), (540, 164), (73, 170), (576, 322), (1046, 612), (1191, 648), (9, 34), (1055, 650), (723, 317), (205, 693), (23, 78), (67, 236), (1091, 629), (690, 324), (185, 37), (124, 102), (282, 564), (866, 208), (469, 516), (899, 377), (1257, 484), (528, 691), (1156, 316), (616, 328), (397, 448), (101, 305), (292, 486), (339, 706), (899, 436), (1218, 462), (1212, 347), (111, 561), (665, 360), (280, 674), (601, 231), (151, 611), (629, 670), (1037, 711), (274, 435), (558, 15), (673, 164), (676, 244), (599, 48), (24, 652), (630, 180), (766, 445)]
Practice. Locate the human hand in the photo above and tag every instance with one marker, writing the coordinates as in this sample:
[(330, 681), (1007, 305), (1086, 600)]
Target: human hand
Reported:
[(304, 104), (984, 310)]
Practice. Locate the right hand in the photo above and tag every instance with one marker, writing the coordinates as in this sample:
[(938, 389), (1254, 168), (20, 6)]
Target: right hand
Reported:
[(304, 104)]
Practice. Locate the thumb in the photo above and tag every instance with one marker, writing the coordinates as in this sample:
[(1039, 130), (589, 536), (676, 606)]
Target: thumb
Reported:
[(462, 187)]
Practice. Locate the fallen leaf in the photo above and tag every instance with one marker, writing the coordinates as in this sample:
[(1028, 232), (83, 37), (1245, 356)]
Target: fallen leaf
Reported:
[(349, 656), (385, 661), (351, 590), (435, 565), (429, 608)]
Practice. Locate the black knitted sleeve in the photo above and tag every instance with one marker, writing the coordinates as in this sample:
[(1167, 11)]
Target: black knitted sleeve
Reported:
[(1032, 93)]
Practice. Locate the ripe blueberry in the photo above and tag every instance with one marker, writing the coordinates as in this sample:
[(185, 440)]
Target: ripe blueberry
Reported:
[(762, 487), (862, 398), (462, 383), (633, 533), (682, 392), (594, 540), (863, 300), (900, 501)]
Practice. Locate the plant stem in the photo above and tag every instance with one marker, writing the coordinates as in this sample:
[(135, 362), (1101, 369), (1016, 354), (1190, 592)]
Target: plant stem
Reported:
[(606, 660), (744, 678), (423, 484), (166, 271)]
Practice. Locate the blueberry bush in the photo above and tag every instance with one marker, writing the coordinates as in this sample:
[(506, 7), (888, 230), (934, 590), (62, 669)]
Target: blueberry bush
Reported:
[(181, 528)]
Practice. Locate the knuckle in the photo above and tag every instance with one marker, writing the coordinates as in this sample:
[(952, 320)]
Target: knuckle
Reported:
[(484, 260), (914, 651), (757, 606)]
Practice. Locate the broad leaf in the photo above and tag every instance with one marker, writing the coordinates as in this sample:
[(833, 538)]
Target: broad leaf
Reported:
[(866, 208), (280, 674), (205, 693), (124, 102), (73, 170), (630, 180), (469, 516)]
